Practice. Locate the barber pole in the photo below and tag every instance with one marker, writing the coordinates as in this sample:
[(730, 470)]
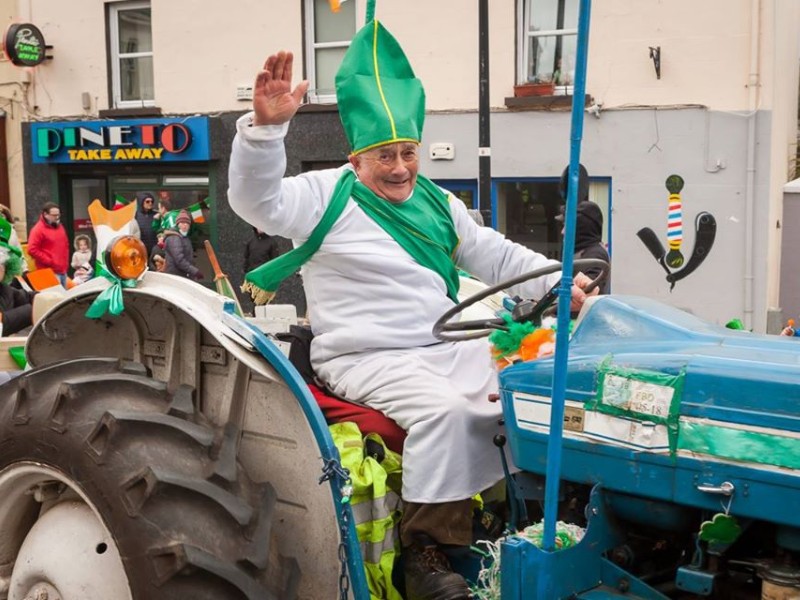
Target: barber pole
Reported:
[(674, 257)]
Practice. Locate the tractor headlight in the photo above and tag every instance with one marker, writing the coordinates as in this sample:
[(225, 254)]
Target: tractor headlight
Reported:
[(126, 257)]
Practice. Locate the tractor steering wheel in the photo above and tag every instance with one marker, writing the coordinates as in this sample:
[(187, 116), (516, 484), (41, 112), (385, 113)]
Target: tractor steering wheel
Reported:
[(444, 330)]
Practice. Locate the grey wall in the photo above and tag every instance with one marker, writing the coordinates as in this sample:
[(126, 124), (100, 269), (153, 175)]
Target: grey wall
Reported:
[(790, 258), (638, 149)]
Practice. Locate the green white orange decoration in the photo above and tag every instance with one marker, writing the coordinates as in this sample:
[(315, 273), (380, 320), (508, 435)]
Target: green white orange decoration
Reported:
[(108, 225)]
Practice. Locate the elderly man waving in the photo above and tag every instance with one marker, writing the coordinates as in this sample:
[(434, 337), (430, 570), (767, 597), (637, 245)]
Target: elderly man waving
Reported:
[(380, 245)]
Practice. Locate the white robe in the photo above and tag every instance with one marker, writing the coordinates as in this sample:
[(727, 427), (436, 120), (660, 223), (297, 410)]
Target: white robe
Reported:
[(372, 308)]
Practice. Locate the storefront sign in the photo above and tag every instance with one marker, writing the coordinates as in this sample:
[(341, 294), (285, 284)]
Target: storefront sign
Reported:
[(134, 140), (24, 45)]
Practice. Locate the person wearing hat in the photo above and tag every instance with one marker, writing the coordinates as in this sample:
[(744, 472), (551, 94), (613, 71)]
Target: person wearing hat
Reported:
[(178, 251), (380, 246), (588, 225), (16, 305)]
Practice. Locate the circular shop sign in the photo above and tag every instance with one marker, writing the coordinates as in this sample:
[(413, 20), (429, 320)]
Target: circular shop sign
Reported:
[(24, 45)]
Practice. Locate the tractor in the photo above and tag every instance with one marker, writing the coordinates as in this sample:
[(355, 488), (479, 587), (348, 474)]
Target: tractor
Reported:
[(173, 451)]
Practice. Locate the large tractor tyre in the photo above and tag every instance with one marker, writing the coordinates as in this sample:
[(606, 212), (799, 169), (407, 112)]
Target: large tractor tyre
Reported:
[(111, 487)]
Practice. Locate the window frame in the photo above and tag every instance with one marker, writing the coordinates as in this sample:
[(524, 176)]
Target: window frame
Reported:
[(311, 47), (115, 56), (524, 35)]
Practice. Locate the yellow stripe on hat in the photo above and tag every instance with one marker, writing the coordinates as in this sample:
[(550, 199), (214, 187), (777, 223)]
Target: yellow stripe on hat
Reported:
[(378, 80)]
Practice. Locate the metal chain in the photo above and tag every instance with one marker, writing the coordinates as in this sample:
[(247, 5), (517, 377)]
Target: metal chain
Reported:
[(333, 469), (344, 579)]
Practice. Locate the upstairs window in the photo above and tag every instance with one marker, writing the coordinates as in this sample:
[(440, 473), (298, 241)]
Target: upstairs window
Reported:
[(549, 37), (131, 45), (328, 36)]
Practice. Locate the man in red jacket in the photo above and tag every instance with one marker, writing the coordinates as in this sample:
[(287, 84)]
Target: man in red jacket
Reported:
[(48, 244)]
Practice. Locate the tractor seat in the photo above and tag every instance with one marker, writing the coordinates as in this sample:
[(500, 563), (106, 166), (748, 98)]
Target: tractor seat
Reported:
[(335, 409)]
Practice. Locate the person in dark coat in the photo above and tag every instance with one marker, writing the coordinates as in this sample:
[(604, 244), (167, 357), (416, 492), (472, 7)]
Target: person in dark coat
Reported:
[(589, 237), (145, 212), (259, 249), (178, 250), (16, 305)]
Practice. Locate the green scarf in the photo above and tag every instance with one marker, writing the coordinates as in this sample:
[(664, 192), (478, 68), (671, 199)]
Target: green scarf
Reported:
[(422, 225)]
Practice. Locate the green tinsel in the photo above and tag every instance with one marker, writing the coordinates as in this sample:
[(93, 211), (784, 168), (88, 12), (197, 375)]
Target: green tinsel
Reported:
[(508, 342), (13, 267), (735, 324)]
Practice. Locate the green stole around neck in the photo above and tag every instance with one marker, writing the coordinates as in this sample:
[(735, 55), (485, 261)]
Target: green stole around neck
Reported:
[(422, 225)]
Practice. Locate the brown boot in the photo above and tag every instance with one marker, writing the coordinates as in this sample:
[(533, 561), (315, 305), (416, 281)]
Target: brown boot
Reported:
[(429, 576)]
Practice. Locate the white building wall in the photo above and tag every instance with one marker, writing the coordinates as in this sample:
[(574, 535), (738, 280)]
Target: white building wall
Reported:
[(14, 87), (204, 50)]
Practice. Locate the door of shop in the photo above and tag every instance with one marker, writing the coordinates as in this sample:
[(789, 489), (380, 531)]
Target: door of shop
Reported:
[(183, 190)]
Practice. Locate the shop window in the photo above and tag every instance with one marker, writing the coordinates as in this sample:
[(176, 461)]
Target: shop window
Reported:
[(328, 36), (548, 42), (465, 190), (527, 211), (131, 54), (188, 191)]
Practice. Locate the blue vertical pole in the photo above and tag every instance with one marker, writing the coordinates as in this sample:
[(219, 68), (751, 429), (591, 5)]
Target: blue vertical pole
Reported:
[(553, 473)]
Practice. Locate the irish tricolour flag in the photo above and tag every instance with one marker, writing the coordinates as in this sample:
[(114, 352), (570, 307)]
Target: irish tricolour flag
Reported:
[(119, 202), (336, 4), (196, 211)]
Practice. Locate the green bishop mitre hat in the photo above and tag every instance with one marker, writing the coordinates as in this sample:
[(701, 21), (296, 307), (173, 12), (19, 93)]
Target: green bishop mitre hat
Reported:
[(380, 100)]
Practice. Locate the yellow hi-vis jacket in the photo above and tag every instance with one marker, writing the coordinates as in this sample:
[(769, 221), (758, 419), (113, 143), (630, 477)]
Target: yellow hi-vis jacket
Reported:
[(375, 503)]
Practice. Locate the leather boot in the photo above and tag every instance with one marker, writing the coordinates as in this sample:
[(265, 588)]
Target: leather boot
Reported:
[(428, 575)]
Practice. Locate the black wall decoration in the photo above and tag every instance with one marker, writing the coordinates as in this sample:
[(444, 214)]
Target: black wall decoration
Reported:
[(672, 262)]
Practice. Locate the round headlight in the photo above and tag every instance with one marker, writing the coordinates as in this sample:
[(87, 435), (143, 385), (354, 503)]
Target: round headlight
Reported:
[(126, 257)]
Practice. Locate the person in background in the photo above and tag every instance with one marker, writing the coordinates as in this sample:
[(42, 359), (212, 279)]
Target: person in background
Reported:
[(48, 244), (178, 251), (82, 259), (165, 217), (13, 240), (145, 213), (259, 249), (588, 224), (589, 237), (16, 305), (158, 262), (158, 250), (790, 330)]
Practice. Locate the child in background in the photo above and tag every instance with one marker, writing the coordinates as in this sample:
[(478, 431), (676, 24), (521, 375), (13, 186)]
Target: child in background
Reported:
[(82, 259), (790, 330)]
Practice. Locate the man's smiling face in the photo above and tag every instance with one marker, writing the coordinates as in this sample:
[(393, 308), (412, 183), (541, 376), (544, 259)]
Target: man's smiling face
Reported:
[(390, 171)]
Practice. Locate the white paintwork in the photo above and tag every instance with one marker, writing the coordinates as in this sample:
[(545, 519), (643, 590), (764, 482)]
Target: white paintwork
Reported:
[(277, 442), (60, 551)]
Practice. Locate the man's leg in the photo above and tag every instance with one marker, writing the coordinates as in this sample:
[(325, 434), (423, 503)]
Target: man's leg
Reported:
[(439, 395), (424, 529)]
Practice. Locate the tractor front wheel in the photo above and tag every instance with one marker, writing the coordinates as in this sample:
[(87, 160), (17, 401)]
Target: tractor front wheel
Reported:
[(112, 487)]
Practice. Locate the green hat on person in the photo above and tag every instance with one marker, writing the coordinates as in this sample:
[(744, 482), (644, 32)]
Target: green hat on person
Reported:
[(380, 100), (5, 236), (10, 256)]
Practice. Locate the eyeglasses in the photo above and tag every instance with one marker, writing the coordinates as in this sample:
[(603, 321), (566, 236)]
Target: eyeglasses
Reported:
[(387, 157)]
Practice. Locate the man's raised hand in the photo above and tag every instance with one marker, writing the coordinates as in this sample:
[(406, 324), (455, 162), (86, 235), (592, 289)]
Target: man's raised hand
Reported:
[(274, 101)]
